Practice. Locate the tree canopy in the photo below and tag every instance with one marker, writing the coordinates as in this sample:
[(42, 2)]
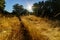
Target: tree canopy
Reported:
[(2, 5), (49, 8), (19, 10)]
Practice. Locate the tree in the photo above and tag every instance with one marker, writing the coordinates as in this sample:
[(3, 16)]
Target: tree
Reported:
[(38, 8), (35, 8), (49, 8), (43, 9), (55, 6), (2, 5), (18, 10)]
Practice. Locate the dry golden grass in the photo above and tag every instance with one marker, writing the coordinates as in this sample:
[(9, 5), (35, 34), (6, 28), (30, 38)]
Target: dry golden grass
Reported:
[(10, 28), (41, 28), (38, 28)]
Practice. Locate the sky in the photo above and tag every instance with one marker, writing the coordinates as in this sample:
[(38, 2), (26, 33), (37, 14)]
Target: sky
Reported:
[(27, 4)]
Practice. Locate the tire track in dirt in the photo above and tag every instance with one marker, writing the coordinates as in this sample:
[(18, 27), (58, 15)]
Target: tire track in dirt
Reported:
[(25, 31)]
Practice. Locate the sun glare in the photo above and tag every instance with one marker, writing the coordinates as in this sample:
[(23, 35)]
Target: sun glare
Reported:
[(29, 8)]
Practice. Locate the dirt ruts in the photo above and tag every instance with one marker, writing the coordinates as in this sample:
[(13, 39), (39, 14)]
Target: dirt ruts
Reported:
[(25, 32)]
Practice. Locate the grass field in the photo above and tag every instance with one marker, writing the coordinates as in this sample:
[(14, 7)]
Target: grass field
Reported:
[(41, 28), (10, 28), (35, 27)]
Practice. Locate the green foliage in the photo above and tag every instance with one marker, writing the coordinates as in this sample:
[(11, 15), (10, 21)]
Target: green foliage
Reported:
[(2, 4), (55, 6), (49, 8), (38, 8), (19, 10)]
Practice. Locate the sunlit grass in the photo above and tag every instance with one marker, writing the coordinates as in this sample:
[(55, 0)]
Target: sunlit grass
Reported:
[(38, 28), (41, 28), (9, 28)]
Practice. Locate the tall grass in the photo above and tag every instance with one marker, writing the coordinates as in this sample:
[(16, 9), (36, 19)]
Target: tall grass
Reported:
[(41, 28), (32, 28), (10, 28)]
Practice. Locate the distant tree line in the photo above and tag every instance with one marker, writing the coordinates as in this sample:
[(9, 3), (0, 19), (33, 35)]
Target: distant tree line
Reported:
[(49, 9)]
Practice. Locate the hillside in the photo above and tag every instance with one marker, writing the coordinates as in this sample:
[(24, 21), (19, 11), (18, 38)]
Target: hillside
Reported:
[(41, 28), (29, 28)]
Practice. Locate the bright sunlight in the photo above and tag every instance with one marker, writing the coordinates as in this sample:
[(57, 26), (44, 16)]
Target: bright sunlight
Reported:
[(29, 8)]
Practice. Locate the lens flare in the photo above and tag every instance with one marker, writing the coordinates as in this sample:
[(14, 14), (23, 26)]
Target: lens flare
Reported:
[(29, 6)]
